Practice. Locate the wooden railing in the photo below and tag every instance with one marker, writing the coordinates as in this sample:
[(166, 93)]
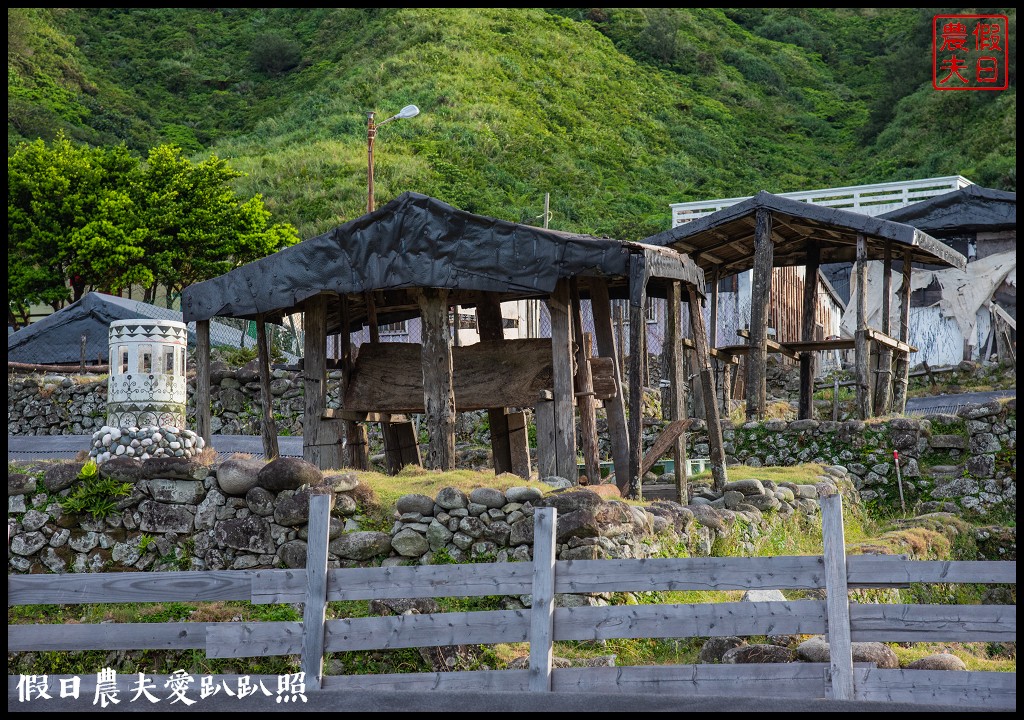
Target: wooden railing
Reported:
[(543, 624)]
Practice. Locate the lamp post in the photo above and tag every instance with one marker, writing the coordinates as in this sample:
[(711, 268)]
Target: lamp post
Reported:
[(408, 111)]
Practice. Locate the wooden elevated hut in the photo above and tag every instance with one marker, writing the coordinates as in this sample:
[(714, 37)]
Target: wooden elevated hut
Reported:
[(769, 231), (417, 257)]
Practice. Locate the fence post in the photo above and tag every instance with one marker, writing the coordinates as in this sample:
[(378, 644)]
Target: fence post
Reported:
[(542, 613), (837, 601), (321, 499)]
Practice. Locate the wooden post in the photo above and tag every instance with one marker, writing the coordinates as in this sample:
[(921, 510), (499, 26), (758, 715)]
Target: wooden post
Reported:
[(585, 391), (438, 384), (615, 408), (519, 444), (861, 359), (542, 611), (632, 485), (903, 358), (269, 427), (760, 296), (488, 319), (321, 499), (203, 411), (883, 380), (371, 318), (544, 417), (620, 340), (808, 358), (707, 381), (676, 391), (561, 357), (713, 333), (314, 366), (837, 601), (357, 452)]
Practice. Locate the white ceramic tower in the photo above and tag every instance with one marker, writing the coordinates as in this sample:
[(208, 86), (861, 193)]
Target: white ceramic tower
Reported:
[(147, 374)]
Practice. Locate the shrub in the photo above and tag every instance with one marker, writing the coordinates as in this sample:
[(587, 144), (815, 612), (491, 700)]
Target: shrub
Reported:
[(273, 54)]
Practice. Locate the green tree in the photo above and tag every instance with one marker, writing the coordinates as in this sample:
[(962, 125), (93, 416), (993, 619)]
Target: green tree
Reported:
[(195, 225)]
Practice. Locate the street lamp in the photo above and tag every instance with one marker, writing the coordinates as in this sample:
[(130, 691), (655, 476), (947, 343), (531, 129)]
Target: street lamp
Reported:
[(409, 111)]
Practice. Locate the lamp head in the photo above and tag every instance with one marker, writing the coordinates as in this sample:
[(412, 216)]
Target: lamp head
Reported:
[(409, 111)]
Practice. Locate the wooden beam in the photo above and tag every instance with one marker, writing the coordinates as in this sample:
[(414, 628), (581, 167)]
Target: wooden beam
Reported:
[(314, 368), (903, 358), (268, 426), (584, 390), (861, 359), (707, 382), (371, 318), (615, 407), (760, 296), (808, 359), (438, 385), (771, 346), (357, 445), (673, 370), (883, 379), (519, 444), (203, 404), (363, 416), (562, 372), (631, 485), (488, 319), (666, 439)]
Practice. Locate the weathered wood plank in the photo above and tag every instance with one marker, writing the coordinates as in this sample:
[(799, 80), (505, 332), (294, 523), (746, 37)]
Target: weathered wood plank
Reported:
[(630, 486), (268, 428), (78, 588), (562, 385), (707, 383), (895, 571), (712, 573), (321, 499), (314, 370), (971, 690), (666, 439), (420, 581), (899, 403), (466, 681), (491, 328), (933, 623), (861, 359), (780, 680), (253, 639), (760, 297), (883, 380), (357, 447), (614, 406), (798, 617), (122, 636), (438, 384), (584, 384), (808, 360), (544, 417), (602, 376), (204, 407), (837, 600), (519, 444), (484, 627), (389, 377), (675, 407), (542, 612)]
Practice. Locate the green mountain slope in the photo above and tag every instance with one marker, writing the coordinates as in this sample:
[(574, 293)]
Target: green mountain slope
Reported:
[(616, 113)]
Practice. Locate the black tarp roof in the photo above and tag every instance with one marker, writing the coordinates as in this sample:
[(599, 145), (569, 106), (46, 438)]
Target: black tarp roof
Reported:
[(57, 338), (725, 239), (969, 209), (416, 241)]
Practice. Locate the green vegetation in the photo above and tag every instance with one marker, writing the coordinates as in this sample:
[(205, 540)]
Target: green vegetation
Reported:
[(95, 495)]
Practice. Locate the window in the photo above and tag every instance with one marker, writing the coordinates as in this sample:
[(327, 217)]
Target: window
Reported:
[(168, 360), (396, 328), (650, 309), (145, 359), (122, 351)]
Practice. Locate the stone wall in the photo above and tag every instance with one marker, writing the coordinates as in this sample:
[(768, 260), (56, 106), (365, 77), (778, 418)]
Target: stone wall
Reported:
[(244, 513)]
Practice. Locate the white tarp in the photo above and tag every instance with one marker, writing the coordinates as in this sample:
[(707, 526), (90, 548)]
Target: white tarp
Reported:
[(964, 294)]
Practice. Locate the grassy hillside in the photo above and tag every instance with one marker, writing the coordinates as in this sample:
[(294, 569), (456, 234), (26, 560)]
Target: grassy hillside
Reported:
[(616, 113)]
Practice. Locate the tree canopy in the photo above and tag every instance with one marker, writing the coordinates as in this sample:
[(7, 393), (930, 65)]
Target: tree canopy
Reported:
[(99, 218)]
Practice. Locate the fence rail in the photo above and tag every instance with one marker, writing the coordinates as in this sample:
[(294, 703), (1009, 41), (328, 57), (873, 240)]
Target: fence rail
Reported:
[(543, 624)]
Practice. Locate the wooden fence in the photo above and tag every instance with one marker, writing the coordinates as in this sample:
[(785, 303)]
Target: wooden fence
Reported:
[(842, 621)]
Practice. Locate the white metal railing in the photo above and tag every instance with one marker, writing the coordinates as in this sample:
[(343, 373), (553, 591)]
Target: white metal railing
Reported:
[(867, 199)]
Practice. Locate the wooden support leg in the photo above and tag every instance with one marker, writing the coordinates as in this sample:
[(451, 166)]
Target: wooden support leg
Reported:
[(488, 315), (519, 444), (438, 385), (615, 407), (315, 371), (562, 361), (203, 404), (268, 426), (585, 393), (861, 359), (760, 296), (808, 359), (715, 442), (544, 417)]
